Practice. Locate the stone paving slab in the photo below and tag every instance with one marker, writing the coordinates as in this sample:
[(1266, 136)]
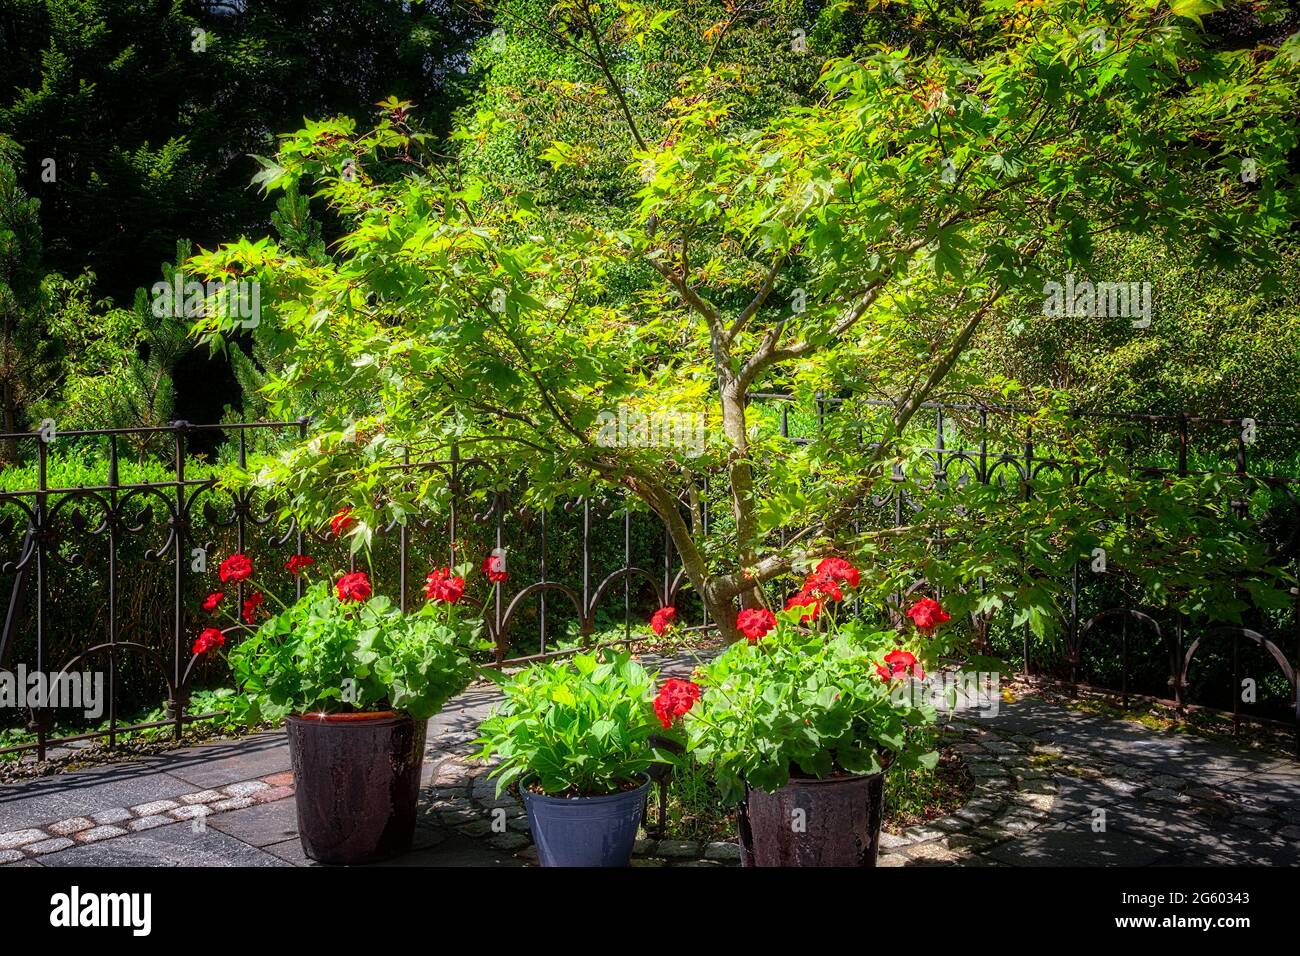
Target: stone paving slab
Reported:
[(1128, 742), (215, 765), (1275, 787), (455, 850), (457, 723), (430, 850), (1075, 844), (289, 852), (260, 825), (175, 845), (1212, 841), (83, 792)]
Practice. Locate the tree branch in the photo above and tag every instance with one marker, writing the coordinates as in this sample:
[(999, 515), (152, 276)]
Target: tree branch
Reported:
[(609, 77), (757, 301)]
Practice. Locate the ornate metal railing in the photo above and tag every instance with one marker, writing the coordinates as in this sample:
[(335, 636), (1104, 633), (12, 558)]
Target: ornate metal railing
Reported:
[(1155, 446), (111, 570), (171, 531)]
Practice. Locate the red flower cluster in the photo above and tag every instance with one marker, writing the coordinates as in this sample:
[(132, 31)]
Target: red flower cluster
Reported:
[(837, 569), (441, 585), (926, 614), (211, 602), (825, 585), (675, 698), (298, 563), (342, 522), (755, 622), (353, 587), (249, 610), (901, 663), (663, 620), (494, 566), (209, 638), (235, 568)]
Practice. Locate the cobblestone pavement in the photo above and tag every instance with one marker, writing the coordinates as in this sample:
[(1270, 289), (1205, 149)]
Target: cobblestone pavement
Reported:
[(1052, 787)]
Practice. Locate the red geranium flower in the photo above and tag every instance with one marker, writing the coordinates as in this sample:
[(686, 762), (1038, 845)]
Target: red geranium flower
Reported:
[(251, 604), (839, 570), (353, 587), (440, 585), (342, 521), (675, 698), (211, 602), (297, 563), (901, 663), (208, 638), (812, 606), (926, 614), (235, 568), (663, 620), (823, 587), (494, 566), (755, 622)]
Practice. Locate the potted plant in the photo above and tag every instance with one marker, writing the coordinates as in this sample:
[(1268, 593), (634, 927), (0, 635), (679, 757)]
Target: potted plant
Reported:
[(574, 737), (800, 721), (356, 681)]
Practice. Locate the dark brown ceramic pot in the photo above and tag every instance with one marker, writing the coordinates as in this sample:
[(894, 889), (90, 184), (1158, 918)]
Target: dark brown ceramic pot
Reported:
[(357, 778), (809, 822)]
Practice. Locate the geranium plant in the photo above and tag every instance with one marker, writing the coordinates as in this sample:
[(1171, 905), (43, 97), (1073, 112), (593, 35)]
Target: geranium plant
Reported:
[(341, 647), (578, 727), (809, 695)]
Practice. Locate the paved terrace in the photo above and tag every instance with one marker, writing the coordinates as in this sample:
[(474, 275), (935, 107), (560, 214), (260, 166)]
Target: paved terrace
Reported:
[(1044, 778)]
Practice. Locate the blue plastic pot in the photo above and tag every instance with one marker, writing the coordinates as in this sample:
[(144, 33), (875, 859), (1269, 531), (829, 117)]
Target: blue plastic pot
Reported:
[(585, 831)]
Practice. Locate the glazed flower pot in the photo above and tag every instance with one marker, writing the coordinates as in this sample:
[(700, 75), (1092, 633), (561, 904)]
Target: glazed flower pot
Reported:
[(585, 831), (810, 822), (357, 778)]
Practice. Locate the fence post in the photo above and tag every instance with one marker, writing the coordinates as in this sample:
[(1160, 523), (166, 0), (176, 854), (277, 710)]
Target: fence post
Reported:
[(178, 596), (541, 595), (627, 583), (1029, 494), (40, 717), (1180, 627), (1295, 687), (402, 540), (112, 591), (300, 539), (498, 503)]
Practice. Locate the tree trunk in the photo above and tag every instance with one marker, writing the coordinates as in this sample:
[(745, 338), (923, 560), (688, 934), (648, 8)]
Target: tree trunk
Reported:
[(9, 447), (741, 476), (723, 613)]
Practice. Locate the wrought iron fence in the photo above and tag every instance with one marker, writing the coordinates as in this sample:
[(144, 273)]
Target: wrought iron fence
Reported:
[(170, 532), (110, 569), (1155, 446)]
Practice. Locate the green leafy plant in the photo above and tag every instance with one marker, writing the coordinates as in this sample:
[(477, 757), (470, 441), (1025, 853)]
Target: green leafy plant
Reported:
[(802, 701), (325, 653), (576, 728)]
